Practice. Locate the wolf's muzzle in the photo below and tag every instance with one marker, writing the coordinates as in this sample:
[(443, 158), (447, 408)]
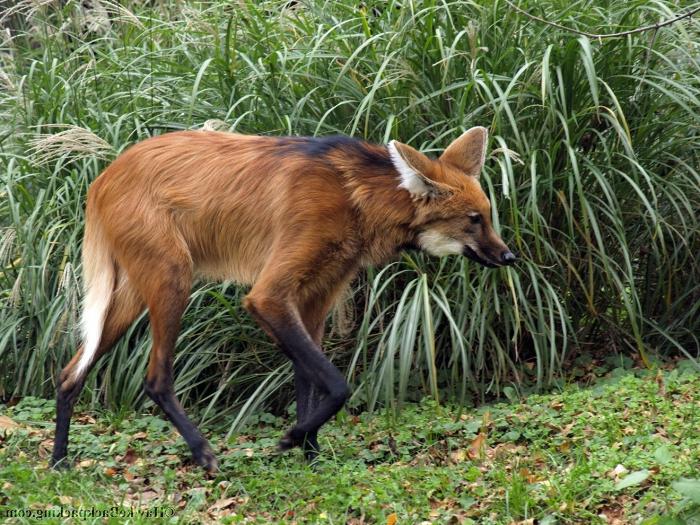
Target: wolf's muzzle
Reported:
[(471, 254)]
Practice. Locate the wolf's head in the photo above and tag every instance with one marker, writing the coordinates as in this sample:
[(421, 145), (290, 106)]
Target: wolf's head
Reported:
[(453, 214)]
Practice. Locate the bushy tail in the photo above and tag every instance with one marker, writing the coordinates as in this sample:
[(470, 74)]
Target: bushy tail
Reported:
[(98, 277)]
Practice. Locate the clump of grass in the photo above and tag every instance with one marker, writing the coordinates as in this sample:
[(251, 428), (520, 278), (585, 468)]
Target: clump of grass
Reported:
[(603, 205)]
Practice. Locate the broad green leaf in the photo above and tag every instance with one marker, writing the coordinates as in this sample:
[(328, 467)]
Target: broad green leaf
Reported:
[(690, 488), (635, 478), (511, 394), (663, 455)]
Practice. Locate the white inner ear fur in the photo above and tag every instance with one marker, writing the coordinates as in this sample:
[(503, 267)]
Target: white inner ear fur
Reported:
[(411, 180), (435, 243)]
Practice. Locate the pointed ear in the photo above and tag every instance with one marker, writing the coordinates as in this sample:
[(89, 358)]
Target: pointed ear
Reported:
[(412, 165), (468, 152)]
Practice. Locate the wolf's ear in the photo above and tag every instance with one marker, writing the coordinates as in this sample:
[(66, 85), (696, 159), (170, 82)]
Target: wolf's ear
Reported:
[(469, 151), (412, 166)]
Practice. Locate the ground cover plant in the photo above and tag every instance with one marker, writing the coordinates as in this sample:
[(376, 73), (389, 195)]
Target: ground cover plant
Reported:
[(558, 458)]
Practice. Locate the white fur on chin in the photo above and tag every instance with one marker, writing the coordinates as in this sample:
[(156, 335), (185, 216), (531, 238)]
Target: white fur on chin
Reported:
[(435, 243)]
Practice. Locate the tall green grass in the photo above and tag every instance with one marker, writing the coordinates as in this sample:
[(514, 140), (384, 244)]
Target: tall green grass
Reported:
[(593, 173)]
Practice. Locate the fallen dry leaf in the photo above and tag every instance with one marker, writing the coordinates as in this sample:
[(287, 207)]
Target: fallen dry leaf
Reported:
[(476, 449), (566, 430), (506, 449), (613, 514), (148, 495), (7, 426), (529, 476), (222, 504), (458, 456), (130, 456), (662, 384), (45, 448)]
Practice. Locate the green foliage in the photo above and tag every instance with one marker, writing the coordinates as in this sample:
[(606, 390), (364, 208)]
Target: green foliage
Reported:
[(558, 458), (593, 175)]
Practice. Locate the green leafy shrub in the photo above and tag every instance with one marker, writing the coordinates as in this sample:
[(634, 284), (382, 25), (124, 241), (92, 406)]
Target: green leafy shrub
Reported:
[(593, 170)]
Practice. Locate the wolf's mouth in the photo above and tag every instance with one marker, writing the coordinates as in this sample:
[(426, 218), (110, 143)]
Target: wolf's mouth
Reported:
[(468, 252)]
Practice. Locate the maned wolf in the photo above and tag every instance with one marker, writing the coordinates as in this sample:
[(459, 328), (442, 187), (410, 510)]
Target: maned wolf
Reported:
[(294, 217)]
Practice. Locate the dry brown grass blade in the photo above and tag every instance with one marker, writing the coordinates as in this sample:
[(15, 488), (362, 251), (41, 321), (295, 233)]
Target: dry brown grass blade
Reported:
[(74, 141)]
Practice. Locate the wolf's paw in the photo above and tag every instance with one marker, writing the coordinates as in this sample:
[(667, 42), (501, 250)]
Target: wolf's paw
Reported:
[(293, 438), (60, 463), (206, 458)]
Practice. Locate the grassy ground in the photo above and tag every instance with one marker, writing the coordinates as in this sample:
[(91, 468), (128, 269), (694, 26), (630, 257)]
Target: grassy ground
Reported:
[(622, 451)]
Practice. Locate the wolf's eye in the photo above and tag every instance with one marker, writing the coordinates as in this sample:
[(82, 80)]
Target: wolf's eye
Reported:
[(476, 219)]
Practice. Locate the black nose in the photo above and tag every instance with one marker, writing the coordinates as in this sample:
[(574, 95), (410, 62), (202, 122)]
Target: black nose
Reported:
[(507, 257)]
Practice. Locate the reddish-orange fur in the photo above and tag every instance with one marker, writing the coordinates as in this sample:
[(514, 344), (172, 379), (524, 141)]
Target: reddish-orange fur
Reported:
[(295, 218)]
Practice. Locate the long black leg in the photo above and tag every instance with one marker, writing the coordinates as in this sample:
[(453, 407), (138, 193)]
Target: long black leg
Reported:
[(125, 307), (309, 362), (163, 395), (66, 397), (308, 398), (165, 315)]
